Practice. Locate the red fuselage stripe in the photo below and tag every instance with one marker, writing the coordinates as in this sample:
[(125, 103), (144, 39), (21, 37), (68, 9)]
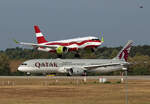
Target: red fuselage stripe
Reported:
[(41, 39), (71, 43), (37, 30)]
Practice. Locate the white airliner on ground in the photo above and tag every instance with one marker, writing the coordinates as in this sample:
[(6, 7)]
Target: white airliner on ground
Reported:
[(77, 66), (63, 46)]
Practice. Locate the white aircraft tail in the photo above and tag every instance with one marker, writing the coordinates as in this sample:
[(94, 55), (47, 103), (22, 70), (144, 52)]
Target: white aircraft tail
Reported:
[(123, 54), (39, 36)]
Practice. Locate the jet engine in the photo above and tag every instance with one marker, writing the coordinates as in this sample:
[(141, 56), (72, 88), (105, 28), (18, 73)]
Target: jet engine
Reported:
[(75, 71), (61, 50)]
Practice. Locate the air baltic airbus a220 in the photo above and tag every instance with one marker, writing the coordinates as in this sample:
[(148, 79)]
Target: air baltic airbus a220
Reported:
[(77, 66), (63, 46)]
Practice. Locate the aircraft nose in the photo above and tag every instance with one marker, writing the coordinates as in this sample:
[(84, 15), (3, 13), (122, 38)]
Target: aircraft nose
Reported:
[(20, 68)]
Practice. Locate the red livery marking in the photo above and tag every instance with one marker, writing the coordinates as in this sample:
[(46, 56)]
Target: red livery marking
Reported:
[(91, 46), (37, 30), (125, 52), (37, 64), (45, 64), (71, 43), (72, 49), (41, 39), (54, 51)]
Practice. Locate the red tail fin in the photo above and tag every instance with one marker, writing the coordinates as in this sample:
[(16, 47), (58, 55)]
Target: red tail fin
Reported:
[(39, 36)]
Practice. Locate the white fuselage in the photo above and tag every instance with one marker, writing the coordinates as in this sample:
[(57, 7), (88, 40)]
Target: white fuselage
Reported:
[(73, 44), (77, 65)]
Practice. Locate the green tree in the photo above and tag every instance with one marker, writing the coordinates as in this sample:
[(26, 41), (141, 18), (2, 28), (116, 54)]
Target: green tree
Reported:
[(140, 65), (4, 64), (114, 53)]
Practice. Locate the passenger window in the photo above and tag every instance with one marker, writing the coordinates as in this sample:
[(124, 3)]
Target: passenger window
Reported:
[(95, 39)]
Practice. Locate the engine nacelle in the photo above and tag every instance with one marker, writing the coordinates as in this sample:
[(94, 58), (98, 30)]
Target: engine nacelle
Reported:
[(61, 49), (75, 71)]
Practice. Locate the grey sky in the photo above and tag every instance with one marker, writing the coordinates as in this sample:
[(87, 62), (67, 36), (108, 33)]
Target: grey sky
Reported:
[(119, 20)]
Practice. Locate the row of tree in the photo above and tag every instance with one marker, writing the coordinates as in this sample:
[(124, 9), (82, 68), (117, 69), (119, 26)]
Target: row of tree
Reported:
[(139, 58)]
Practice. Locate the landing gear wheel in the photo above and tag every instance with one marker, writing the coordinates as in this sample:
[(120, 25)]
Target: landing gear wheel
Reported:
[(84, 73), (94, 49), (70, 72), (28, 73), (77, 55), (59, 56)]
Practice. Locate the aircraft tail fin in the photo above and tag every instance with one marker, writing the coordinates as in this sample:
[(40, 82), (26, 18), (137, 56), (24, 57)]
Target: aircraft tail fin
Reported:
[(123, 54), (39, 36)]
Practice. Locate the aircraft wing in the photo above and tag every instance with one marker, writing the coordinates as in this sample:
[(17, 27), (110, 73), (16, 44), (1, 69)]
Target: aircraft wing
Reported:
[(35, 45), (90, 67)]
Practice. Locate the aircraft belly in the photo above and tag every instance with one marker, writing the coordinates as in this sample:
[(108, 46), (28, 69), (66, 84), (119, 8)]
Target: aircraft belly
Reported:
[(44, 49), (39, 70)]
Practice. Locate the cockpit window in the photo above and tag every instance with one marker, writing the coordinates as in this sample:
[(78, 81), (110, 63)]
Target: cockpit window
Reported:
[(95, 39), (23, 64)]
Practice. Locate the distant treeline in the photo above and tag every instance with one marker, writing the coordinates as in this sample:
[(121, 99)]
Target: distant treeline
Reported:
[(139, 58)]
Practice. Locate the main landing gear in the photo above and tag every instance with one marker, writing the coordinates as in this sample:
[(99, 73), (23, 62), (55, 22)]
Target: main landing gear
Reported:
[(77, 55)]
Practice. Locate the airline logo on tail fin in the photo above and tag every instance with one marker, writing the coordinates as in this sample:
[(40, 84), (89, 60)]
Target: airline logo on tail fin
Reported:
[(123, 54), (39, 35)]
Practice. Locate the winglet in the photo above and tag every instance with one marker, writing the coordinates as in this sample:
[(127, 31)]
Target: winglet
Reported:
[(17, 42), (102, 39)]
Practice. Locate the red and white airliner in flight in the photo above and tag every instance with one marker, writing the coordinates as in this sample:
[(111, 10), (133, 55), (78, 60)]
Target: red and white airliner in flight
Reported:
[(63, 46)]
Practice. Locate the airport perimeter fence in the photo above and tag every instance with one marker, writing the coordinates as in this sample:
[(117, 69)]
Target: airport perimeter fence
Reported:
[(48, 81)]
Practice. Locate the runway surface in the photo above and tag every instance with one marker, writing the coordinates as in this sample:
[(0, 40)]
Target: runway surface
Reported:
[(80, 77)]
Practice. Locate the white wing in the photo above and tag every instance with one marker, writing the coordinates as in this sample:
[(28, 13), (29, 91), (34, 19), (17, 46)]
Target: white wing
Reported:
[(36, 45), (90, 67)]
